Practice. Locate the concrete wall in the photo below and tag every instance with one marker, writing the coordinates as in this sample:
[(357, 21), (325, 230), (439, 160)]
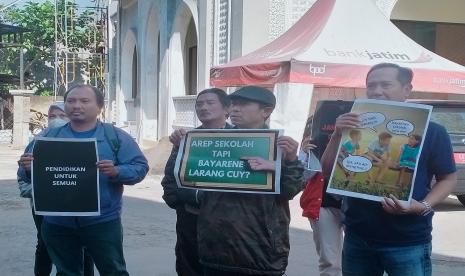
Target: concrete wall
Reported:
[(249, 31), (149, 66), (21, 118), (204, 56), (185, 11), (255, 25), (42, 103), (128, 42)]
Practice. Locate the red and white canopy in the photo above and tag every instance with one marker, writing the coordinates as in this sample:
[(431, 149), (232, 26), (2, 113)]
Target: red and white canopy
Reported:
[(333, 45)]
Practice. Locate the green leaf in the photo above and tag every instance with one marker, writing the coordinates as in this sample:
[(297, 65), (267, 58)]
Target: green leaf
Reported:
[(39, 43)]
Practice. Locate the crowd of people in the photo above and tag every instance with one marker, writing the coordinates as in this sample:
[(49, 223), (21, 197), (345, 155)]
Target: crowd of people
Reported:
[(234, 234)]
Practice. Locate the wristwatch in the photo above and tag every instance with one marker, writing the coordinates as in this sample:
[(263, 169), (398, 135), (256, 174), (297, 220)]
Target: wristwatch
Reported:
[(428, 208)]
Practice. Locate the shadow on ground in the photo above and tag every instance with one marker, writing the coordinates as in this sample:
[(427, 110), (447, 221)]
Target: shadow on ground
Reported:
[(150, 246), (149, 239)]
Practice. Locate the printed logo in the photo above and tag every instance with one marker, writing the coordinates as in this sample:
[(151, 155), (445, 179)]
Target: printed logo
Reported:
[(387, 55), (317, 69), (452, 81)]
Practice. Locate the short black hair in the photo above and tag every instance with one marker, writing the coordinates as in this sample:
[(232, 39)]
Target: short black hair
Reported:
[(222, 96), (98, 94), (404, 74)]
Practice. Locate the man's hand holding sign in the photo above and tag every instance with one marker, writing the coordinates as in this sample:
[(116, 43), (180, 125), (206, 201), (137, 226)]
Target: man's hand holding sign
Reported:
[(66, 170), (288, 148), (26, 160), (77, 172), (255, 201), (232, 160), (108, 168), (377, 230), (383, 133)]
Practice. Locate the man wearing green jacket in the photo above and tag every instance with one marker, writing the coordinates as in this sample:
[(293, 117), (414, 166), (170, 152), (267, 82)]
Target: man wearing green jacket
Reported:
[(248, 234), (211, 107)]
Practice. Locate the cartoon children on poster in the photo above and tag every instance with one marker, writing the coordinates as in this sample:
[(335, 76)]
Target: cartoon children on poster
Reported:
[(380, 157)]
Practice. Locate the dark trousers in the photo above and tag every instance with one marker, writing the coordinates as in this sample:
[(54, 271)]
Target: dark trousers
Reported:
[(43, 263), (103, 241), (213, 272), (187, 257)]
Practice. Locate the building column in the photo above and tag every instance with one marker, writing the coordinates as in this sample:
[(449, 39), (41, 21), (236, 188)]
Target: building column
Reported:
[(21, 117)]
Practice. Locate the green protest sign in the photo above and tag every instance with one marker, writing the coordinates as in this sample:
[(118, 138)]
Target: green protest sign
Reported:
[(214, 159)]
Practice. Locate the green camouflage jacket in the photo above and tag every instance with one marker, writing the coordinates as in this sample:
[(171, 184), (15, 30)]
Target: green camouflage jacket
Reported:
[(249, 233), (172, 195)]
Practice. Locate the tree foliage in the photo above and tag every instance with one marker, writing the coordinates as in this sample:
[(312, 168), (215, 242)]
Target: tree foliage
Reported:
[(39, 42)]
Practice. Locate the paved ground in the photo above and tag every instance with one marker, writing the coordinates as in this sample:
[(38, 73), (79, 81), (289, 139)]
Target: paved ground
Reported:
[(150, 237)]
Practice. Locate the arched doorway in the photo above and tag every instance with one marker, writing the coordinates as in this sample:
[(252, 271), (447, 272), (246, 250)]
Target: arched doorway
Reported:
[(134, 118), (129, 98), (182, 73), (190, 59)]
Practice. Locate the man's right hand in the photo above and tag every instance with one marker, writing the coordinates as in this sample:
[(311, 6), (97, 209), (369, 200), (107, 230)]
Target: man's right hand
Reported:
[(346, 121), (176, 136), (25, 161), (259, 164)]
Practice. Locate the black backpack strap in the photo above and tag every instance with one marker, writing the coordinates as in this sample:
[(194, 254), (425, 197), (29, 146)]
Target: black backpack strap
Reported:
[(112, 137)]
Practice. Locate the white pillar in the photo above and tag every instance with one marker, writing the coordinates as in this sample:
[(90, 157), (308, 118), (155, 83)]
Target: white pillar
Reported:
[(21, 118), (204, 43), (292, 106), (164, 125)]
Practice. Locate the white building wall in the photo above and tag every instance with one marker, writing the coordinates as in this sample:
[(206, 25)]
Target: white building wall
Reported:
[(177, 74), (161, 64), (149, 71), (112, 65), (164, 96), (255, 25), (128, 42), (205, 42), (225, 29)]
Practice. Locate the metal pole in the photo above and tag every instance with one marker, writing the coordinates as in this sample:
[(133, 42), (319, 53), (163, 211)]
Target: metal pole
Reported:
[(66, 45), (21, 68), (55, 83)]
